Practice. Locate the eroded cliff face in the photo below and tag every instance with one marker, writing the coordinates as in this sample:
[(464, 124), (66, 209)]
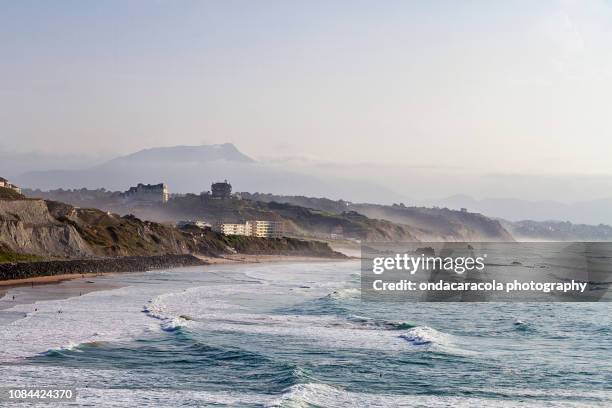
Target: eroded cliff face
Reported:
[(51, 229), (26, 226)]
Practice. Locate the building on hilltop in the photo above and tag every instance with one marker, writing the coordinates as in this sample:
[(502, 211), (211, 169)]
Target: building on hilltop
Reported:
[(253, 228), (222, 190), (147, 194), (5, 183)]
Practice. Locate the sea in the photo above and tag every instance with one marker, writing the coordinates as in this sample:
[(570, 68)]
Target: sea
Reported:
[(297, 335)]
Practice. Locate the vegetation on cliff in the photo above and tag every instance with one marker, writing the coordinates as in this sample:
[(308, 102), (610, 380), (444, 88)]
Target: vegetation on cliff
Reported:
[(8, 255), (51, 229), (309, 217), (425, 224), (10, 194), (299, 221)]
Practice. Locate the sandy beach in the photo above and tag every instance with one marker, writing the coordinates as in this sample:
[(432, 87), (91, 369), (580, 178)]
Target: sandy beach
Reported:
[(21, 291), (238, 258)]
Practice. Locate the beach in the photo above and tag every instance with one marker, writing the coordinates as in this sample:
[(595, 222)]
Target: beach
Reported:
[(75, 284), (208, 260)]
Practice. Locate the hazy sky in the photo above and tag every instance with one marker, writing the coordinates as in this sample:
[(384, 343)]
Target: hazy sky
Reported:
[(496, 86)]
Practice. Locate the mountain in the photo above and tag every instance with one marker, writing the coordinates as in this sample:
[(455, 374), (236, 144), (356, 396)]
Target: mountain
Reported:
[(182, 154), (192, 169), (581, 212)]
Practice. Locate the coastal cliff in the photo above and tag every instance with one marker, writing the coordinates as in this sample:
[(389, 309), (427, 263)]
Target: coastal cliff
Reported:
[(67, 237)]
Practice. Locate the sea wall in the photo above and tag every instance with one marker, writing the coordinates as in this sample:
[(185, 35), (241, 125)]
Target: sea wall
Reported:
[(25, 270)]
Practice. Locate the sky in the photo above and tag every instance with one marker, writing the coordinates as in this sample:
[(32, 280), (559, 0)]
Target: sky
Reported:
[(484, 86)]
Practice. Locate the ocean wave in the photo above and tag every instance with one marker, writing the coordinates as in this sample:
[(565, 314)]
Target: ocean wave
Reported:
[(345, 293), (426, 336), (72, 347), (58, 351), (158, 309), (370, 323), (315, 394), (201, 309), (524, 327)]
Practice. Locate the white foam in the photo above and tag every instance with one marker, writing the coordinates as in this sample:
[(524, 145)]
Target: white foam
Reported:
[(425, 336), (211, 309), (64, 324), (302, 395), (345, 293)]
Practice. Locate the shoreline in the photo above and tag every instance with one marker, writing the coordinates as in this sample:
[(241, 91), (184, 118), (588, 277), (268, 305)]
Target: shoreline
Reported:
[(46, 280), (204, 260)]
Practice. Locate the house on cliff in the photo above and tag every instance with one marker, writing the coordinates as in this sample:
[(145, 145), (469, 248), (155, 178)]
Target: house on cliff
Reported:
[(5, 183)]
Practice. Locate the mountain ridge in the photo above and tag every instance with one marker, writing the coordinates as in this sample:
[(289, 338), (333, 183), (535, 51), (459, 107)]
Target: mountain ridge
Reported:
[(188, 153), (186, 169)]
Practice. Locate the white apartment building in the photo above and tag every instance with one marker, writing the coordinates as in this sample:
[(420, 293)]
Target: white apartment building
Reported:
[(266, 229), (254, 228), (234, 229)]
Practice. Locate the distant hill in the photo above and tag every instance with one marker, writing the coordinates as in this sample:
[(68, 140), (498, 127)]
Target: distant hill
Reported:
[(557, 231), (591, 212), (192, 169), (435, 224), (425, 224)]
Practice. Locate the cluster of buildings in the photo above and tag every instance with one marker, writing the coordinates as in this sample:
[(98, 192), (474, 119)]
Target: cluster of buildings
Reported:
[(5, 183), (254, 228), (144, 194), (148, 194)]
